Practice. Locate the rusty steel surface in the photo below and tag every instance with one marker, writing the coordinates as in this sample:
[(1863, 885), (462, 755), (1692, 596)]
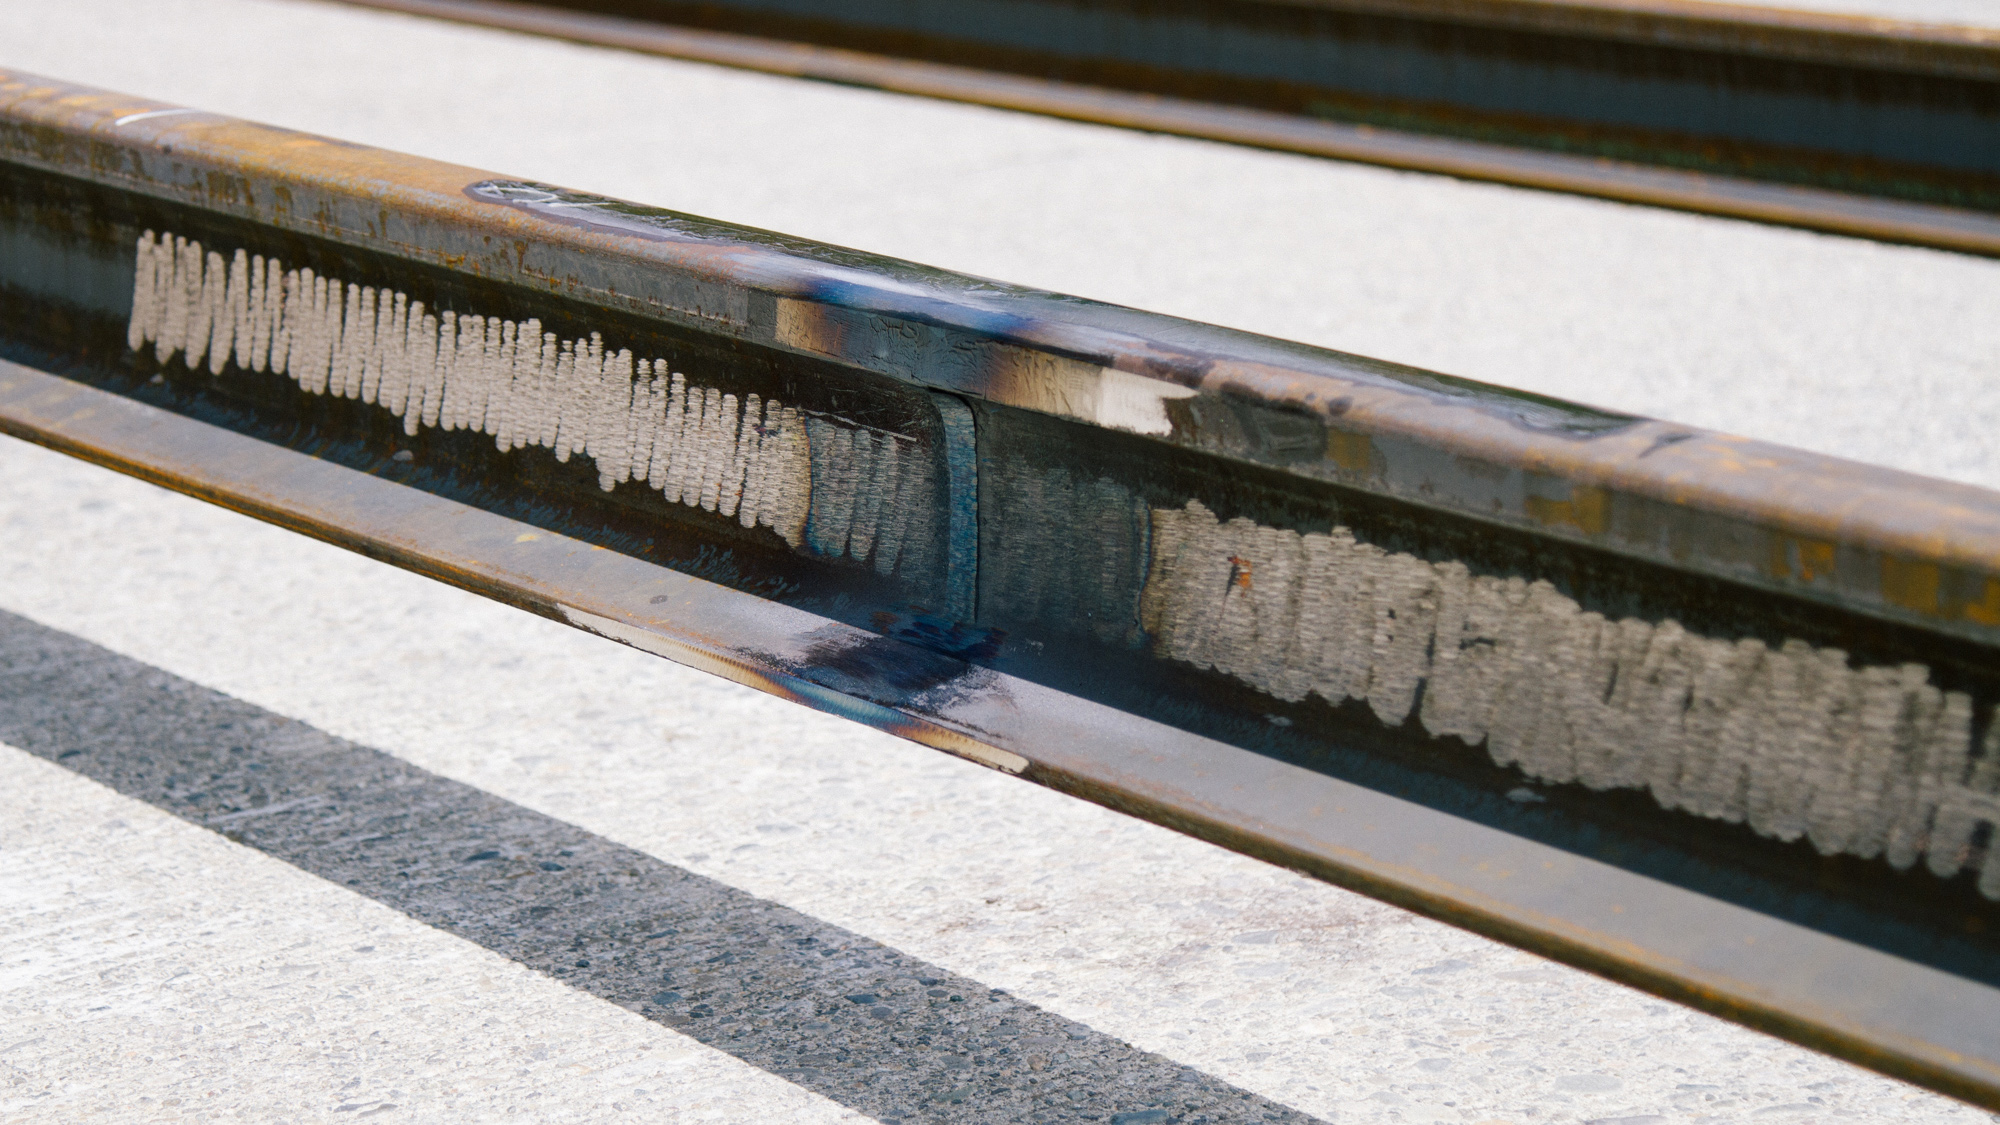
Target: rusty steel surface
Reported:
[(1714, 717), (1794, 173), (1888, 543)]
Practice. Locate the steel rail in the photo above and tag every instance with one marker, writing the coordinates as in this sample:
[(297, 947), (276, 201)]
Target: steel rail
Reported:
[(1704, 715), (1874, 128)]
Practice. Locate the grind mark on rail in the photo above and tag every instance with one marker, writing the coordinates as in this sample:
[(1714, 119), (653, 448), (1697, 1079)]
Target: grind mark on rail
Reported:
[(1866, 761), (830, 486)]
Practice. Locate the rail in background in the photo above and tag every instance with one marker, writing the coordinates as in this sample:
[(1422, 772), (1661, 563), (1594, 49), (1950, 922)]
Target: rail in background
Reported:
[(1870, 127), (1708, 716)]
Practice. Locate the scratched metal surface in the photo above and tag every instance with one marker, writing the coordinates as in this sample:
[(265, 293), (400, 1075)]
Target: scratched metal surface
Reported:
[(282, 995), (1732, 327), (1487, 872)]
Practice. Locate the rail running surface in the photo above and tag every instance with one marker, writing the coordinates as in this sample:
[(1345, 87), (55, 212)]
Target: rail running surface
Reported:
[(1869, 127), (1712, 717)]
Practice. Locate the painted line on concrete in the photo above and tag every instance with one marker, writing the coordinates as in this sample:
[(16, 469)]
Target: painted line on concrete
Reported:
[(849, 1018)]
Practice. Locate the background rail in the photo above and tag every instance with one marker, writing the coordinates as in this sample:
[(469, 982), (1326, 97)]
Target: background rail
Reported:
[(1863, 126)]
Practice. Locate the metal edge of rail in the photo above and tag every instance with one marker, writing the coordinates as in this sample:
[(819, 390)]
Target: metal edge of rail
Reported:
[(1071, 514), (1811, 37)]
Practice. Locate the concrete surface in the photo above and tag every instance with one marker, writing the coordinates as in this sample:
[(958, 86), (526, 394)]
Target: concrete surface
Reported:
[(828, 1009), (1296, 992), (1155, 947)]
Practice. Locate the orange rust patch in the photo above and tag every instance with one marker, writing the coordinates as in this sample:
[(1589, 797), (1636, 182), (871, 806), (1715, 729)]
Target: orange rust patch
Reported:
[(1588, 509), (805, 326), (1239, 572), (1815, 559), (1985, 611), (1806, 560), (1354, 453), (1911, 584)]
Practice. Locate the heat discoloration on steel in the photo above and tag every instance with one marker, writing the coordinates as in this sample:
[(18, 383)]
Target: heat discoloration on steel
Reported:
[(664, 635), (1890, 544), (539, 571)]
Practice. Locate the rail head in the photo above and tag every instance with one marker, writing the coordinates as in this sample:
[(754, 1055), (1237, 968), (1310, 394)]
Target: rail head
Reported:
[(1842, 124), (1874, 540)]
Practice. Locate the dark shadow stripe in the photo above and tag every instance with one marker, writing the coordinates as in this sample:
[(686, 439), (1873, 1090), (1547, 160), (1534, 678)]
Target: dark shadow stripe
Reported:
[(846, 1017)]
